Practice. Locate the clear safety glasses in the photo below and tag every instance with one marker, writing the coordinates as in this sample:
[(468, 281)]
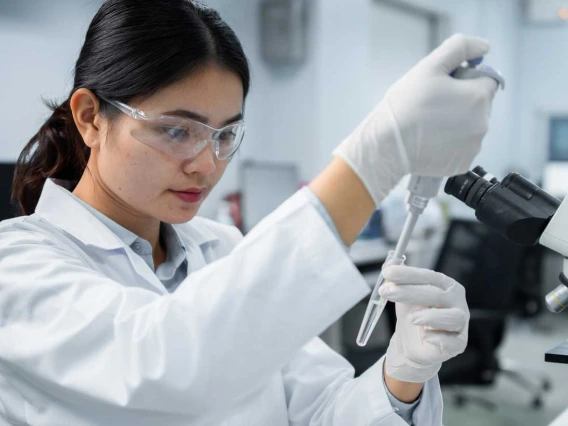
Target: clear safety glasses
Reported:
[(183, 137)]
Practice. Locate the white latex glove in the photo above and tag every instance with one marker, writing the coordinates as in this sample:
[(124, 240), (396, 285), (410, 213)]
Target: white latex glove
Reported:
[(428, 123), (432, 322)]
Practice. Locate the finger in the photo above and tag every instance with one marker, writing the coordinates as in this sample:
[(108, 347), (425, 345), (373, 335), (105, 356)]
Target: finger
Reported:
[(453, 320), (450, 344), (456, 49), (392, 262), (489, 84), (420, 295), (406, 275), (485, 85)]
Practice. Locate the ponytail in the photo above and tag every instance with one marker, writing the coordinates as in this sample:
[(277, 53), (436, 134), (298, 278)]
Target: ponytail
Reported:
[(57, 150)]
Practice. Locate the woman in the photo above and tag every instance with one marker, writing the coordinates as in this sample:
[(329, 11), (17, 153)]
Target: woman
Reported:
[(120, 307)]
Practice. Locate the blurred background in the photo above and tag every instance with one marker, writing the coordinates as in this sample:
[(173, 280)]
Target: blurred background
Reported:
[(318, 67)]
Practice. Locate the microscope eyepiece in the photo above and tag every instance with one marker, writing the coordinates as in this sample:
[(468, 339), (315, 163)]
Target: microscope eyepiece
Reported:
[(459, 186), (482, 173), (468, 187), (516, 208), (478, 170), (531, 192)]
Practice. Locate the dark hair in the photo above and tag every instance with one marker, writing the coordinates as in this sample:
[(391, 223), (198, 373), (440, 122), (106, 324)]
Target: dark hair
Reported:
[(132, 49)]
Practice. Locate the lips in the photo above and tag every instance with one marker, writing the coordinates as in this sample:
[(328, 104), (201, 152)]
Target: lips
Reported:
[(191, 195)]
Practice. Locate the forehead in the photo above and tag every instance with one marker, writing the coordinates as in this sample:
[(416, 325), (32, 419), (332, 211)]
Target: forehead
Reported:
[(212, 92)]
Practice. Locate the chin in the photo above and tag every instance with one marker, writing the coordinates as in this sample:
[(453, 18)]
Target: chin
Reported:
[(177, 216), (177, 213)]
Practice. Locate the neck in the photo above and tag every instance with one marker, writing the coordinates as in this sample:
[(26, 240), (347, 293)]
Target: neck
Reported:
[(98, 196)]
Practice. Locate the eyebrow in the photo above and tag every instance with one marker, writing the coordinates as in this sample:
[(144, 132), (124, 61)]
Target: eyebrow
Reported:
[(201, 118)]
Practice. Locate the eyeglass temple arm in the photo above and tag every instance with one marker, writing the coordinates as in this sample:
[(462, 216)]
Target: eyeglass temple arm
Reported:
[(133, 112)]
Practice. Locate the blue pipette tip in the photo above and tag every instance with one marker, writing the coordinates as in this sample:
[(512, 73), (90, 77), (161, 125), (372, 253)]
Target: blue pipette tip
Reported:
[(472, 63), (475, 62)]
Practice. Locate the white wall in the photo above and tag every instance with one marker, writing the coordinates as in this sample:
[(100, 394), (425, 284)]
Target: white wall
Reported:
[(297, 114), (499, 21), (281, 104), (303, 113), (544, 73), (361, 51), (39, 44)]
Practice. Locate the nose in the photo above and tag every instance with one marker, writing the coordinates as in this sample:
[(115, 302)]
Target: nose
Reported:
[(203, 163)]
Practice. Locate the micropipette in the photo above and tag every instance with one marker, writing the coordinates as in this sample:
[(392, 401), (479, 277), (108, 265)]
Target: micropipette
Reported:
[(420, 190)]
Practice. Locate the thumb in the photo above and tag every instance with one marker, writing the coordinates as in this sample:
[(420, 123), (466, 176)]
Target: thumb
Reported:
[(456, 49)]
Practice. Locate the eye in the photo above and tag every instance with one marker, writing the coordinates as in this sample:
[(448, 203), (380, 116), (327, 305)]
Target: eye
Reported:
[(227, 136), (175, 132)]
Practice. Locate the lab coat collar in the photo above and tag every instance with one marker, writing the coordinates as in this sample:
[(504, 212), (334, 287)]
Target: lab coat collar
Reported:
[(196, 234), (58, 206)]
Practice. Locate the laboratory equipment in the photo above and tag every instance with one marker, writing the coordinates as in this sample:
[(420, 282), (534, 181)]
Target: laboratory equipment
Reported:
[(525, 214), (182, 137), (377, 303), (476, 69), (420, 190)]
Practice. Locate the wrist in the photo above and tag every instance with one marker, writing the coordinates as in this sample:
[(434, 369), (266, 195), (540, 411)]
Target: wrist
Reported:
[(345, 198), (399, 367), (405, 392), (376, 153)]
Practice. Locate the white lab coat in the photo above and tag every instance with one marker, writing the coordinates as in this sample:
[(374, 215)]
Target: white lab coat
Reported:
[(89, 335)]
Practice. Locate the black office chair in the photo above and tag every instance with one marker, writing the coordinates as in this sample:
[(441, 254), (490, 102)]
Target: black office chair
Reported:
[(492, 270)]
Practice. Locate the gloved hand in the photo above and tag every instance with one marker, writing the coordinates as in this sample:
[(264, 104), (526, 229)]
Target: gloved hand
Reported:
[(432, 322), (428, 123)]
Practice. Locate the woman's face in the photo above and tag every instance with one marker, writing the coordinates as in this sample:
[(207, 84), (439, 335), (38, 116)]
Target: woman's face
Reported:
[(148, 182)]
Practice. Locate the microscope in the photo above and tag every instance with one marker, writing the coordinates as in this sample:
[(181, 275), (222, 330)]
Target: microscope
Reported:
[(524, 214)]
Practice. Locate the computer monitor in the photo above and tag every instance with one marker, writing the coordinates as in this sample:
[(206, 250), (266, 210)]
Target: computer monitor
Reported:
[(555, 173), (558, 139)]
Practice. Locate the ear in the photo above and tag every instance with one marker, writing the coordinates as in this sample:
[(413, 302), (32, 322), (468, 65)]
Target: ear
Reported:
[(85, 108)]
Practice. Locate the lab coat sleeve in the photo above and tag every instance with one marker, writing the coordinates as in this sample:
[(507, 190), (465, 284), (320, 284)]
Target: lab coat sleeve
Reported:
[(201, 351), (320, 390), (405, 411)]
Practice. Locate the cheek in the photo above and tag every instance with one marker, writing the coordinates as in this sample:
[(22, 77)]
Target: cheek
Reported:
[(220, 167), (220, 170), (133, 171)]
